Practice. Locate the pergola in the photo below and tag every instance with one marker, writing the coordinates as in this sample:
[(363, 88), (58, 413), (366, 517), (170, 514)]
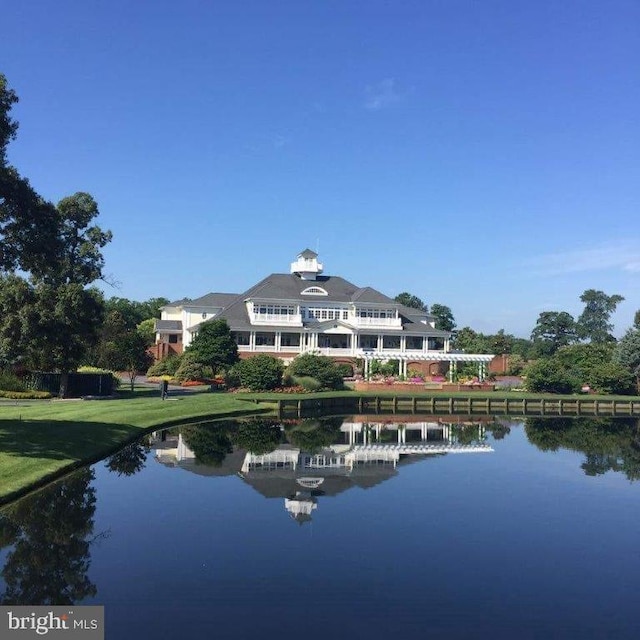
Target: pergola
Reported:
[(452, 358)]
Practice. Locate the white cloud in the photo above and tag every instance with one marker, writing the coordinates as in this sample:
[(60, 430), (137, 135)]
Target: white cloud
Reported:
[(623, 255), (382, 95)]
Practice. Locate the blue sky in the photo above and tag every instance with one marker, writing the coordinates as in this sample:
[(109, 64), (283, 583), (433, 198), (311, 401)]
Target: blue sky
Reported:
[(483, 155)]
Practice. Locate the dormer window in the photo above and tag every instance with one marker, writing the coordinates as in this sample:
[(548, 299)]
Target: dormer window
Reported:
[(314, 291)]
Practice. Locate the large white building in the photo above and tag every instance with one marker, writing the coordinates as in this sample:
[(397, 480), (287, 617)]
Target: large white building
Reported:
[(305, 311)]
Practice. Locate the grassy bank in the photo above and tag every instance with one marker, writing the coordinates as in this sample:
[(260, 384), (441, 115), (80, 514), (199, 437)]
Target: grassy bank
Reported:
[(40, 440)]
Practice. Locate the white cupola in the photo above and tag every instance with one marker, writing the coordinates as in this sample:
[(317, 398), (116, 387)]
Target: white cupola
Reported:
[(306, 265)]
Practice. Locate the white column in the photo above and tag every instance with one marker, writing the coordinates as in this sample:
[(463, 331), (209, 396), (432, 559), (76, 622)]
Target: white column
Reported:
[(403, 343), (278, 341), (252, 341)]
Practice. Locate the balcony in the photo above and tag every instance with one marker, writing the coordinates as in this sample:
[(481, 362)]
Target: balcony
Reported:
[(377, 322)]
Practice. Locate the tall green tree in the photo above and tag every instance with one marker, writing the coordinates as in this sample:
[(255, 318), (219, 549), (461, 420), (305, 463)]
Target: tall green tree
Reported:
[(410, 300), (554, 329), (80, 242), (28, 223), (444, 317), (593, 323), (627, 352), (59, 249), (214, 345)]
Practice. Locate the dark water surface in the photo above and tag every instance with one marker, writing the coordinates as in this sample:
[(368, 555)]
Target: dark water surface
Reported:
[(345, 530)]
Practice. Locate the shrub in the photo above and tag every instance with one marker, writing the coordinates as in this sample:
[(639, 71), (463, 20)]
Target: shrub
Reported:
[(10, 382), (307, 383), (345, 369), (232, 377), (321, 368), (260, 373), (25, 395), (549, 375), (165, 367), (191, 369), (611, 377), (115, 378)]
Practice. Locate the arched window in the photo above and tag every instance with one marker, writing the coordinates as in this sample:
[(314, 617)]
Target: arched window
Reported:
[(314, 291)]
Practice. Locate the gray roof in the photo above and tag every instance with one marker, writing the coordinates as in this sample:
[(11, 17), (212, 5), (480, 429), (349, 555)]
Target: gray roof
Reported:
[(307, 253), (168, 325), (220, 300), (286, 286)]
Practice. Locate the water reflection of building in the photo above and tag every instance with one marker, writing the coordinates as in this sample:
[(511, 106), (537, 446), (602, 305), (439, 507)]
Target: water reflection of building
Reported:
[(366, 454)]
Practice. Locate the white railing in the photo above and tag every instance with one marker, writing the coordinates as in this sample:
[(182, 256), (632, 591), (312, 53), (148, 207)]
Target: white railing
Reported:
[(377, 322), (276, 318)]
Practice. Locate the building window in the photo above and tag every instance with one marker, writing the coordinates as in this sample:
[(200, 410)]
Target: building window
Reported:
[(314, 291), (273, 309), (265, 339), (241, 338), (391, 342), (290, 339), (173, 338), (368, 342), (204, 315), (414, 343), (436, 344), (324, 313)]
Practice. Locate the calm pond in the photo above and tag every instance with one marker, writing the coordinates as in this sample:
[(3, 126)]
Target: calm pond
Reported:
[(354, 527)]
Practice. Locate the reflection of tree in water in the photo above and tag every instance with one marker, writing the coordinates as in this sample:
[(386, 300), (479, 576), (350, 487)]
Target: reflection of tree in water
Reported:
[(49, 533), (312, 435), (129, 460), (498, 430), (258, 435), (609, 444), (209, 441)]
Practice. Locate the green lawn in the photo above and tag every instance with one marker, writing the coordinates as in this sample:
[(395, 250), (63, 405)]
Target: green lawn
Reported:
[(40, 439)]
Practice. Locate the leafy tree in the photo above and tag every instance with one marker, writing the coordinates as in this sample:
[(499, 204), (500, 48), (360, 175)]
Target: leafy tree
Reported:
[(554, 329), (60, 250), (444, 317), (627, 352), (582, 358), (409, 300), (133, 356), (468, 340), (501, 342), (610, 377), (321, 368), (134, 312), (593, 323), (28, 224), (214, 345), (17, 319), (80, 260), (260, 372), (147, 330), (546, 375)]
